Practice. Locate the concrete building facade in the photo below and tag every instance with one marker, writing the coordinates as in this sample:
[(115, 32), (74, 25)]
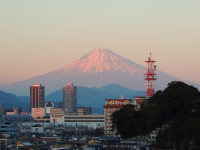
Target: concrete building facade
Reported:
[(93, 121), (138, 101), (70, 98), (58, 116), (37, 94), (84, 111), (38, 112), (111, 106), (48, 106)]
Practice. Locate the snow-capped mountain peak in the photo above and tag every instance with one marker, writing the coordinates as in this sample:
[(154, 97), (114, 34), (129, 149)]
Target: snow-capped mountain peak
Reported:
[(99, 60)]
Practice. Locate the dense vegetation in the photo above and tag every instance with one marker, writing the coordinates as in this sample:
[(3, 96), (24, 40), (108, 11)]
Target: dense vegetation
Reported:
[(177, 106)]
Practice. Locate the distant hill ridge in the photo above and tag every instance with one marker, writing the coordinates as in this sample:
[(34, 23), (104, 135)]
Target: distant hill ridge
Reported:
[(8, 101)]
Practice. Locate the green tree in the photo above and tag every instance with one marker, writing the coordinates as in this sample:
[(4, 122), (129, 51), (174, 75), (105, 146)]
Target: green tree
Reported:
[(177, 106), (124, 119)]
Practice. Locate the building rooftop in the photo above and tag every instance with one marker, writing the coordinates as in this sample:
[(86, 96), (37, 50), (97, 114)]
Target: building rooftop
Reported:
[(19, 118)]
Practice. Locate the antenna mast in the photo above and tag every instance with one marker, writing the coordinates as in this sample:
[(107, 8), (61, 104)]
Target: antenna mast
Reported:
[(150, 76)]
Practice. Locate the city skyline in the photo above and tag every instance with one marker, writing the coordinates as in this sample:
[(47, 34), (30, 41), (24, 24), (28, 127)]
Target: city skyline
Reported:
[(37, 37)]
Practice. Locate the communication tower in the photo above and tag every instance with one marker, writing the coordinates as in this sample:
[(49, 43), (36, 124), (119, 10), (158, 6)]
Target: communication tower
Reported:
[(150, 76)]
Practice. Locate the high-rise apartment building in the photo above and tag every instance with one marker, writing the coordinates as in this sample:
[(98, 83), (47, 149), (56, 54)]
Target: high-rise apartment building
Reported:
[(70, 98), (111, 106), (37, 94), (138, 100)]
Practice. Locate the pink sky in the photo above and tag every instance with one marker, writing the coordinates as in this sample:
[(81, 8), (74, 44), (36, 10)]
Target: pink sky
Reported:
[(41, 36)]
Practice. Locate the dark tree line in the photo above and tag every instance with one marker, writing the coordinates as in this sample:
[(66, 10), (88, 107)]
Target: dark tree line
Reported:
[(177, 106)]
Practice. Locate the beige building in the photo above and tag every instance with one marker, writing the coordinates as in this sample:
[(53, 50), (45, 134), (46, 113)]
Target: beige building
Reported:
[(70, 98), (111, 106), (56, 115), (138, 101), (84, 111), (37, 112)]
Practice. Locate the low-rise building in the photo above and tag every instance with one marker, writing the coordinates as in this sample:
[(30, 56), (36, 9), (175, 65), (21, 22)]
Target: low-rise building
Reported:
[(48, 107), (45, 119), (37, 128), (84, 111), (56, 115), (93, 121), (8, 130), (37, 112), (15, 111)]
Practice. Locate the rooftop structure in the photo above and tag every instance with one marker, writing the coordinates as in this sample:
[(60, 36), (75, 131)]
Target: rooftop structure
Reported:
[(20, 118)]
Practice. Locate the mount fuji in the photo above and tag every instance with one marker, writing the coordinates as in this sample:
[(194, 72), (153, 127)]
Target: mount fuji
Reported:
[(97, 68)]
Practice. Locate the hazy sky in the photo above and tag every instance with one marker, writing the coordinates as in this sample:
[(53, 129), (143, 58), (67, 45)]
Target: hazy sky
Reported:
[(39, 36)]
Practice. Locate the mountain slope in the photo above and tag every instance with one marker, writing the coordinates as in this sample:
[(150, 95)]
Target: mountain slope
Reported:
[(8, 101), (98, 68)]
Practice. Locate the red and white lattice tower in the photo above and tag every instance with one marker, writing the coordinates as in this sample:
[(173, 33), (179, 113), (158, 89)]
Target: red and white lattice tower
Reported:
[(150, 76)]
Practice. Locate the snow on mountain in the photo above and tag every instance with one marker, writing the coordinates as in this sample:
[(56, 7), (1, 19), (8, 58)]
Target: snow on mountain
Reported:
[(100, 60), (98, 68)]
